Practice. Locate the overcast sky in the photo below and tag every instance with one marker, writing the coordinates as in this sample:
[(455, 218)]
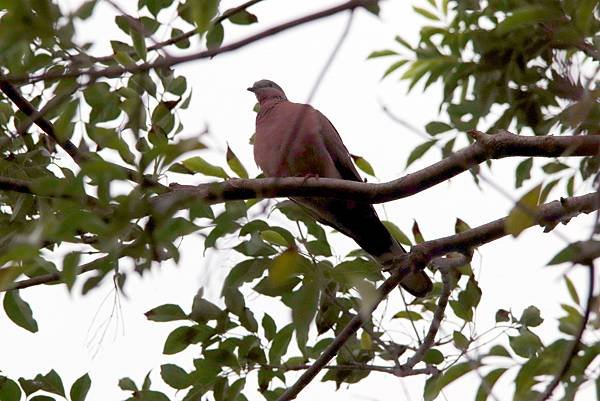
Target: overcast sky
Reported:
[(79, 334)]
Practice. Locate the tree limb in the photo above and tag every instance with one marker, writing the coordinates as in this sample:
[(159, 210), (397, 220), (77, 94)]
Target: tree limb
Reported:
[(165, 62), (498, 146)]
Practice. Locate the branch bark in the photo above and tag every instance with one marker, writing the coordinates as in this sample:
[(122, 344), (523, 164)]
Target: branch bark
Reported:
[(497, 146), (165, 62)]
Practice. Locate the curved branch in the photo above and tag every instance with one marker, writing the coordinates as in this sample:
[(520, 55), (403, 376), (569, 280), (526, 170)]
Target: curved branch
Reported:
[(438, 315), (498, 146), (572, 352), (165, 62), (420, 255)]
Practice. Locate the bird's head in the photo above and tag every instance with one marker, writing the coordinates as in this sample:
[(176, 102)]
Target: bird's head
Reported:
[(265, 90)]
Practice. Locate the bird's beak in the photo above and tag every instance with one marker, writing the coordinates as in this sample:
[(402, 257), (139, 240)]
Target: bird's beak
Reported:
[(251, 89)]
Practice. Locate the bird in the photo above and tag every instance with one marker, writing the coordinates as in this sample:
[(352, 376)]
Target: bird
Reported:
[(297, 140)]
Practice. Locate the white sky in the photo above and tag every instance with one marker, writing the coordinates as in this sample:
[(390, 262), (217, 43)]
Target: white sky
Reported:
[(511, 272)]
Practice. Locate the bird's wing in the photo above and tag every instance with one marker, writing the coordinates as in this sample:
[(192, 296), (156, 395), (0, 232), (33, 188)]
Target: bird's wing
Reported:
[(337, 150)]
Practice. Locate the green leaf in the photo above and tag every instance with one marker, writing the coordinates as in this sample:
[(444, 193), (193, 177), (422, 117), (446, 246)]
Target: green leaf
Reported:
[(397, 233), (393, 67), (567, 254), (235, 165), (460, 341), (425, 13), (437, 127), (180, 338), (304, 308), (19, 311), (80, 388), (554, 167), (151, 395), (363, 165), (502, 315), (203, 12), (527, 15), (269, 326), (243, 17), (51, 382), (531, 317), (419, 151), (203, 310), (69, 271), (487, 383), (126, 384), (433, 356), (499, 350), (572, 290), (407, 314), (522, 216), (436, 384), (280, 344), (523, 172), (166, 313), (9, 390), (175, 376), (139, 43), (248, 321), (199, 165), (526, 344), (215, 36), (381, 53)]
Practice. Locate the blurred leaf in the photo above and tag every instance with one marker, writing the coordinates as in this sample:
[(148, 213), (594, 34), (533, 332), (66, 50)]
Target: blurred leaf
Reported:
[(419, 151), (381, 53), (304, 308), (526, 344), (433, 356), (235, 165), (460, 341), (9, 390), (175, 376), (522, 216), (243, 17), (523, 172), (531, 317), (166, 313), (280, 344), (435, 384), (397, 233), (527, 15), (363, 165), (572, 290), (437, 127), (215, 36), (487, 384), (407, 314), (425, 13), (199, 165), (203, 12), (19, 311)]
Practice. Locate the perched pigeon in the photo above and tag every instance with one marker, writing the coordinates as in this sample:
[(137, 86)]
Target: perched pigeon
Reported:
[(296, 140)]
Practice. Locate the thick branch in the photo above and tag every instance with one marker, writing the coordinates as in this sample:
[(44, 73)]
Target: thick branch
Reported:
[(420, 255), (501, 145), (165, 62)]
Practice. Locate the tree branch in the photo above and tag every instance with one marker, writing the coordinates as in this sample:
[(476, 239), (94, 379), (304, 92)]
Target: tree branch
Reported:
[(165, 62), (421, 254), (498, 146)]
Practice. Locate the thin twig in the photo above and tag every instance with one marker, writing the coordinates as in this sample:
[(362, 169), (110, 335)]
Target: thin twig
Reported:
[(574, 347)]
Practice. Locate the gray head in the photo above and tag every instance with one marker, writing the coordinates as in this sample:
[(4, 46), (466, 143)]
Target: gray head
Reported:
[(265, 89)]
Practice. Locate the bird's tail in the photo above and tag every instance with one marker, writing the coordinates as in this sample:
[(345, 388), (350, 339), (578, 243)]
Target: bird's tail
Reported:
[(416, 283)]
